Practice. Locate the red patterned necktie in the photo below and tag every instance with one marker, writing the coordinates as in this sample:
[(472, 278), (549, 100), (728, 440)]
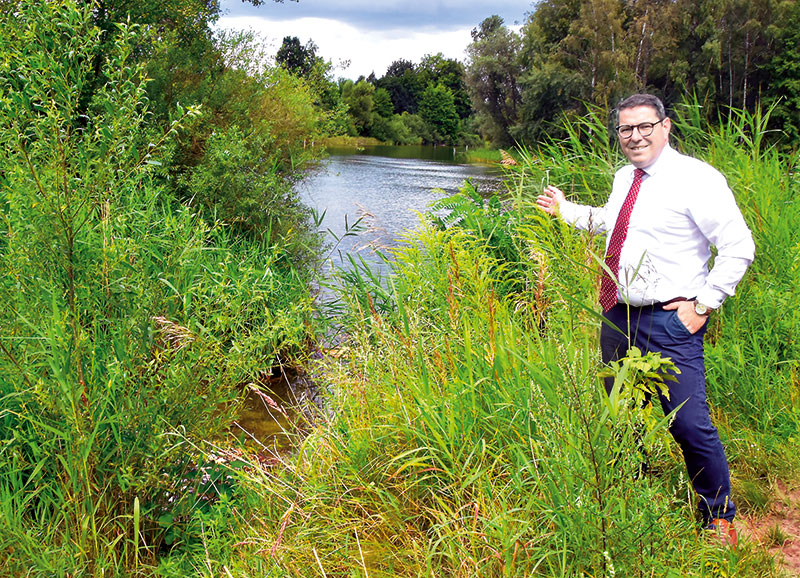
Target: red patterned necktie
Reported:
[(608, 286)]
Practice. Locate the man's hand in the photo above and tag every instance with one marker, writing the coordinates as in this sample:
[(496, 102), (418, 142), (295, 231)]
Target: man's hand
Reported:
[(691, 320), (550, 199)]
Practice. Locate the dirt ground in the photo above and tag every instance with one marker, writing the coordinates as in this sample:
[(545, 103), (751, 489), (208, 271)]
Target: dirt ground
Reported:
[(778, 529)]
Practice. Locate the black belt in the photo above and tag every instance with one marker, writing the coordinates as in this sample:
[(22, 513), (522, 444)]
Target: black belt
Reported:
[(658, 303)]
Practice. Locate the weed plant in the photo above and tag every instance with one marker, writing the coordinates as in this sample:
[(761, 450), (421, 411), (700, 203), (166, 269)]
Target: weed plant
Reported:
[(754, 343), (128, 324)]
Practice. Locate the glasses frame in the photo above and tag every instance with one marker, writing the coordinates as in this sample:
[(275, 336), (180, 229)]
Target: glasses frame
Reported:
[(620, 127)]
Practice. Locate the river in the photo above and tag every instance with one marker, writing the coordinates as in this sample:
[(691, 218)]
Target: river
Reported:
[(387, 187)]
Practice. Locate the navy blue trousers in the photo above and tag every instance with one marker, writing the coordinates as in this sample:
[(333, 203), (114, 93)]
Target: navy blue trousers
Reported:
[(652, 328)]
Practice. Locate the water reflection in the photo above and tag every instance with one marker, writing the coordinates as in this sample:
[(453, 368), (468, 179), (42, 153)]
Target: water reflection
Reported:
[(388, 194), (269, 420), (443, 154)]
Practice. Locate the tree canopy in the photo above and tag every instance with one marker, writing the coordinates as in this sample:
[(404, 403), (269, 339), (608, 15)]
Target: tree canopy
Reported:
[(573, 53)]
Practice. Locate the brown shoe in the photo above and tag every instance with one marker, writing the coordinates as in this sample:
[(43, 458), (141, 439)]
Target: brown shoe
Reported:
[(723, 531)]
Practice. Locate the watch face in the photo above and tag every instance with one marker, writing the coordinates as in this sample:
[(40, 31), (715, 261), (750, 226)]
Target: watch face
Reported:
[(700, 309)]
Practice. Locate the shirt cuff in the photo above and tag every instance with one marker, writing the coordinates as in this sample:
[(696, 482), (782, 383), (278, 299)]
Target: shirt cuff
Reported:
[(710, 297)]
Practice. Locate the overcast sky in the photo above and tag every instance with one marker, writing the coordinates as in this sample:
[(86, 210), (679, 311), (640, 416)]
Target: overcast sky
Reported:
[(371, 34)]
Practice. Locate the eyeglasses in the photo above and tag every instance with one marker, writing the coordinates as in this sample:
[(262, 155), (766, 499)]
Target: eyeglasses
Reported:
[(645, 128)]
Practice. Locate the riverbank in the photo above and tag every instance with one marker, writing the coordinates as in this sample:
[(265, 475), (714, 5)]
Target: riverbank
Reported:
[(344, 141), (460, 430), (144, 285)]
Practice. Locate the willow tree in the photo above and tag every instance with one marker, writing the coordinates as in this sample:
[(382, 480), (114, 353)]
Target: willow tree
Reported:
[(493, 71)]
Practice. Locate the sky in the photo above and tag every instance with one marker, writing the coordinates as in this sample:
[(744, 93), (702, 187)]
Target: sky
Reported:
[(371, 34)]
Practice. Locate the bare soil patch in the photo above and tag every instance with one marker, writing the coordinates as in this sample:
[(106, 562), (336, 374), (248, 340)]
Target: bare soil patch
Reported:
[(779, 529)]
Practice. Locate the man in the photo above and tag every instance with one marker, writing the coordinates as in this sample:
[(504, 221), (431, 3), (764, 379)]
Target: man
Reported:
[(664, 213)]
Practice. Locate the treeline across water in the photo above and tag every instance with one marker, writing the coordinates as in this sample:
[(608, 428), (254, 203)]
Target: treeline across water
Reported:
[(155, 263)]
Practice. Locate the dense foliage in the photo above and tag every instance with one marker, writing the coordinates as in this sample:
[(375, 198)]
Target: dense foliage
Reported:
[(130, 324), (412, 103), (155, 262), (266, 116), (570, 55)]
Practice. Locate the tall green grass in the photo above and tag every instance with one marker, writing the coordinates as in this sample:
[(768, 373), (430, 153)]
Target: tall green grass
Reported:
[(752, 349), (467, 432)]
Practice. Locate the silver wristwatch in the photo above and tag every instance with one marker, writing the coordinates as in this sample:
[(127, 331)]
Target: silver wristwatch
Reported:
[(701, 309)]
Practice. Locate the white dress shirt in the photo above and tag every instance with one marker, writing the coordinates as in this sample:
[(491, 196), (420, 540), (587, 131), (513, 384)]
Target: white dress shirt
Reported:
[(684, 206)]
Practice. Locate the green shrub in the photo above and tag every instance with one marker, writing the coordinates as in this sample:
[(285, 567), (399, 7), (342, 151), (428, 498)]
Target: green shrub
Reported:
[(129, 325), (251, 143), (489, 221)]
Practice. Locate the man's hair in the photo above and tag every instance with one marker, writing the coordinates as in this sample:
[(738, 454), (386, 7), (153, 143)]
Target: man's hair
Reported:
[(644, 100)]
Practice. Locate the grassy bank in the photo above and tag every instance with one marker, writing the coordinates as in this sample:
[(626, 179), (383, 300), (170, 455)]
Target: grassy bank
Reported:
[(483, 155), (466, 430)]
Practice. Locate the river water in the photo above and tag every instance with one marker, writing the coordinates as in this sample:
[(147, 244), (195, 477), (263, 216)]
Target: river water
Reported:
[(387, 187)]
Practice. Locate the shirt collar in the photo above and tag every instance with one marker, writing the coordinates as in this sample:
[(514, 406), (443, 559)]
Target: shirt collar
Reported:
[(662, 162)]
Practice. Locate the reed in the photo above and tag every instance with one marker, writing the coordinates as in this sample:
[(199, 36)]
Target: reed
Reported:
[(465, 433)]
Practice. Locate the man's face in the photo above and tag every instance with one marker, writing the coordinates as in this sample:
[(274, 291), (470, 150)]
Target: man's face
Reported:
[(642, 151)]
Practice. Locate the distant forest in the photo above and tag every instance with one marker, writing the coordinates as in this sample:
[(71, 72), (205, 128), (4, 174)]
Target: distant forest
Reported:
[(568, 56)]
